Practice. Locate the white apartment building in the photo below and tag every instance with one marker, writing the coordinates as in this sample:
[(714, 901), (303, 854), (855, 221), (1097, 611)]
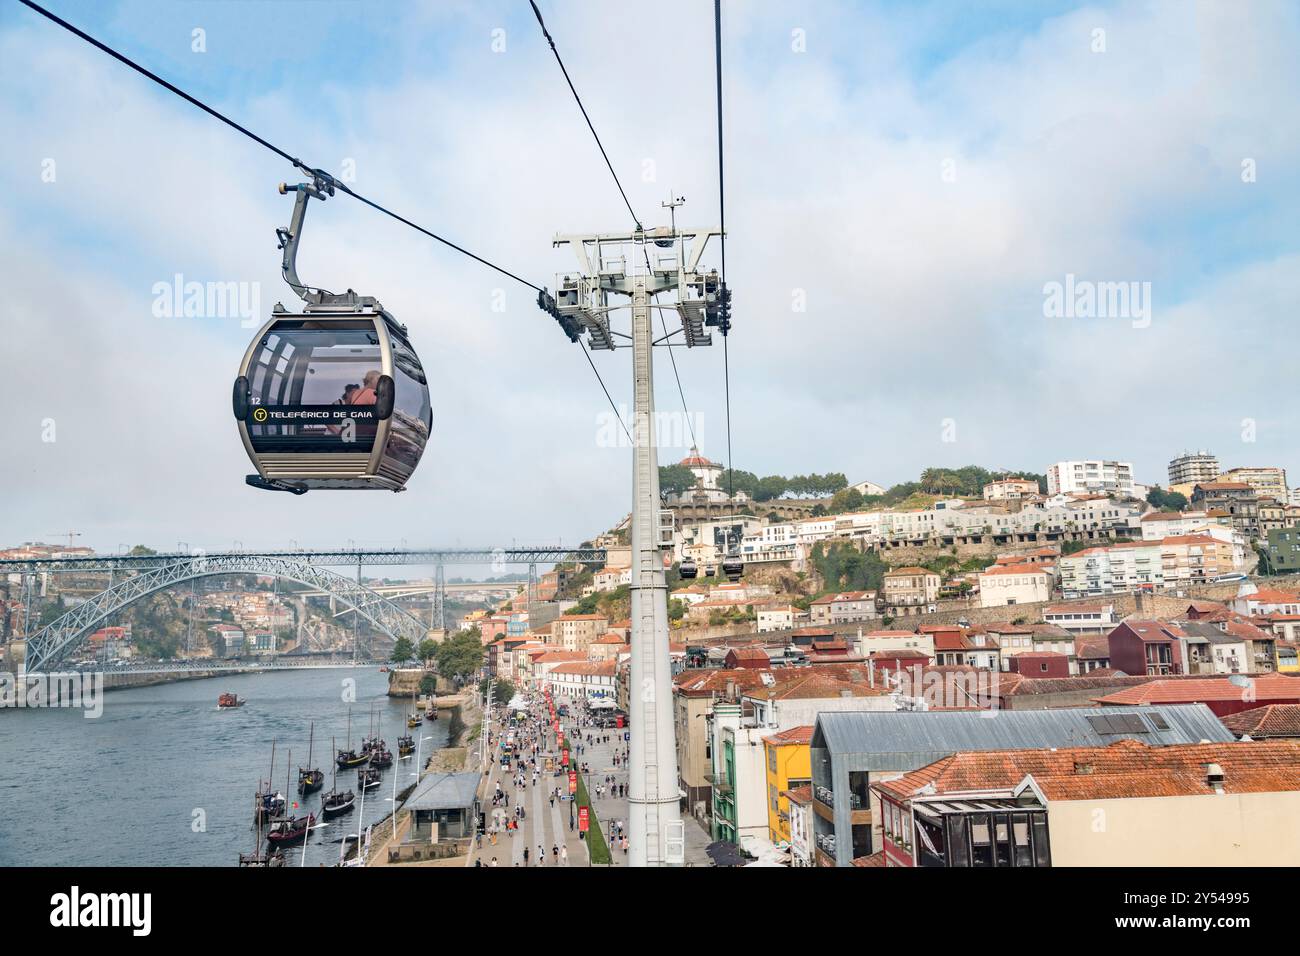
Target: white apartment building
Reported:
[(811, 530), (1090, 477), (1010, 489), (1193, 468), (773, 542), (1082, 619), (1122, 567), (776, 618), (879, 641), (607, 578), (1014, 584), (1162, 524)]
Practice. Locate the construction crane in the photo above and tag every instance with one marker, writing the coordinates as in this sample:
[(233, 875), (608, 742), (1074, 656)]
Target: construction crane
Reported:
[(70, 535)]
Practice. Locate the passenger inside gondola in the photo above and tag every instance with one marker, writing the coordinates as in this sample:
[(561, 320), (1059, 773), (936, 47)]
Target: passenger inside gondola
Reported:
[(366, 394)]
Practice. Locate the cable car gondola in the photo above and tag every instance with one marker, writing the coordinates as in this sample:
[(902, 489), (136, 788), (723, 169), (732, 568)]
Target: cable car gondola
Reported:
[(688, 569), (334, 396), (733, 567)]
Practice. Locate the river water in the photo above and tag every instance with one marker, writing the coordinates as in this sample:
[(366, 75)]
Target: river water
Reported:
[(163, 778)]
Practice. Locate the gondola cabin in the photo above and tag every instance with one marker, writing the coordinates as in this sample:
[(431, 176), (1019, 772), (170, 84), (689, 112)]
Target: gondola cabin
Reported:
[(333, 397), (688, 569)]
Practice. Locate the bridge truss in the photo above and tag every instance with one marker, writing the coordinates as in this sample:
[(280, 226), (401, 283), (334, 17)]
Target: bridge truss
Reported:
[(52, 643)]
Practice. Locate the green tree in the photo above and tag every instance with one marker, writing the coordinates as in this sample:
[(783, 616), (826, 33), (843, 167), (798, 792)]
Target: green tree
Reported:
[(1166, 500), (502, 689), (846, 499), (428, 648), (460, 656), (403, 650), (675, 479), (773, 486), (745, 481)]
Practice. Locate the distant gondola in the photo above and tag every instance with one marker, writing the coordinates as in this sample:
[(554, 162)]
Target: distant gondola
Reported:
[(688, 569), (733, 567)]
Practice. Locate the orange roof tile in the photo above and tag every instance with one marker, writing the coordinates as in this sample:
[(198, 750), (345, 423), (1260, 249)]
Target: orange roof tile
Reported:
[(1127, 768), (1192, 690)]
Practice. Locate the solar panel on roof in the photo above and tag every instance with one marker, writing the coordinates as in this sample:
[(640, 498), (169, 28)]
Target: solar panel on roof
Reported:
[(1112, 724)]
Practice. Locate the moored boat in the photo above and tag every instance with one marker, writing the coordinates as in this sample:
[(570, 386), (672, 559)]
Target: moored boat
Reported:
[(289, 831), (381, 759), (229, 701), (347, 759), (405, 746), (335, 803), (311, 779), (350, 758), (368, 778)]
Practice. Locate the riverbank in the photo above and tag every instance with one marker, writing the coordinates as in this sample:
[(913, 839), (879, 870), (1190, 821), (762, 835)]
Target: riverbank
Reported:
[(464, 722)]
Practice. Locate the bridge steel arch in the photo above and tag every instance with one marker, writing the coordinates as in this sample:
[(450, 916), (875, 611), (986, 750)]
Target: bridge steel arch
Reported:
[(53, 642)]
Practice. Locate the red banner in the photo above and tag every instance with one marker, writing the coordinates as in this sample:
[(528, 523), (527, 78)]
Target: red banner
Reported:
[(565, 756), (573, 781), (582, 819)]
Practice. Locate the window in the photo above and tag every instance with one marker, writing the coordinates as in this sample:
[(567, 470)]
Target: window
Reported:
[(315, 372)]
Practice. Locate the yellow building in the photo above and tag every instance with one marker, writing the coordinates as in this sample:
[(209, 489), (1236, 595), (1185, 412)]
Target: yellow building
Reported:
[(789, 765)]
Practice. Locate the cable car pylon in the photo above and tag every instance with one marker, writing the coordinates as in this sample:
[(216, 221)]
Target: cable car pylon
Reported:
[(657, 835)]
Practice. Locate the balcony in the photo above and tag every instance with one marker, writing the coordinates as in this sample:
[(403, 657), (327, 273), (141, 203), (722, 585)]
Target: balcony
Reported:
[(826, 796)]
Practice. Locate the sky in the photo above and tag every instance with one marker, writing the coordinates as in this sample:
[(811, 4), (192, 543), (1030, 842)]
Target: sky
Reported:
[(906, 182)]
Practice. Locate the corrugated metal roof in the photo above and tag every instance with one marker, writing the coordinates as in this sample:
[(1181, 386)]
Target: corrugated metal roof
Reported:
[(445, 791), (905, 740)]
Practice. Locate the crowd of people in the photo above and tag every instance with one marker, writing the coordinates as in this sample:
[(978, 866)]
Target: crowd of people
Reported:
[(526, 750)]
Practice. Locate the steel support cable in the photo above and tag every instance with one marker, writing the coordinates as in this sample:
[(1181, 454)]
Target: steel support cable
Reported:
[(622, 192), (295, 161), (722, 224)]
